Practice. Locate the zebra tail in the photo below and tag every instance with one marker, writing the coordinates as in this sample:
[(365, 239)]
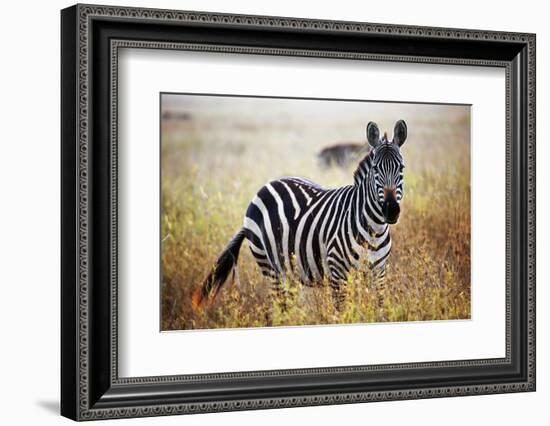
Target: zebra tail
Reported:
[(217, 277)]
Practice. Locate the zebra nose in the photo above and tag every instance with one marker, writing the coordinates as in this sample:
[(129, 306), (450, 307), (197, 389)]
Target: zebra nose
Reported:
[(390, 208)]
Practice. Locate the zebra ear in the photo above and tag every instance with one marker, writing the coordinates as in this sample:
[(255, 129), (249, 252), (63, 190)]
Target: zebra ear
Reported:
[(400, 132), (373, 134)]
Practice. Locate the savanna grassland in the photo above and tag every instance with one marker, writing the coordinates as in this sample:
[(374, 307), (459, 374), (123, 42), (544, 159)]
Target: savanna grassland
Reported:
[(217, 152)]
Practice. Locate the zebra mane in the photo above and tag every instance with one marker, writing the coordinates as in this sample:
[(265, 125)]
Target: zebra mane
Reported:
[(361, 172)]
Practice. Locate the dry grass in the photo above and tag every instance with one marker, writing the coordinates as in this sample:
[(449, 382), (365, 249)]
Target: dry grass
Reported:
[(214, 162)]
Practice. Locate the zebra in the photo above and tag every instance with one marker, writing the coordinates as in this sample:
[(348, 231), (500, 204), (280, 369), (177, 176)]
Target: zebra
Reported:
[(292, 225), (341, 154)]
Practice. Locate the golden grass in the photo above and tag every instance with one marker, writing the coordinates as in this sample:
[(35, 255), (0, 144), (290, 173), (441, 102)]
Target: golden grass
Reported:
[(212, 166)]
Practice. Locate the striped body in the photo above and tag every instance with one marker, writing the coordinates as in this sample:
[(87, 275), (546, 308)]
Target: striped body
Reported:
[(294, 225)]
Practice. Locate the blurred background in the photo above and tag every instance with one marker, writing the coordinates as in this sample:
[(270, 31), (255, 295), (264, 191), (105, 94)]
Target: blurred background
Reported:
[(216, 153)]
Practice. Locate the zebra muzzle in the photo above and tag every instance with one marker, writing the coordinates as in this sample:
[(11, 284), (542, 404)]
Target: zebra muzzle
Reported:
[(390, 208)]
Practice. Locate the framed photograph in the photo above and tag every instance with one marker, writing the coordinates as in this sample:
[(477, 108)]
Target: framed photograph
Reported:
[(263, 212)]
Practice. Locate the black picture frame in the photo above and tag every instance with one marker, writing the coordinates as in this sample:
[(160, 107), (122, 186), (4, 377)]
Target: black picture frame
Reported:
[(90, 386)]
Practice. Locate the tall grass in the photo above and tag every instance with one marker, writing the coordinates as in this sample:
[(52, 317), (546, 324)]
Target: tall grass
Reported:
[(214, 162)]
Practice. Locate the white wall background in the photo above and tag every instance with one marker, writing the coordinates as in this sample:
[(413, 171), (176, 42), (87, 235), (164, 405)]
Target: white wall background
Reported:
[(29, 211)]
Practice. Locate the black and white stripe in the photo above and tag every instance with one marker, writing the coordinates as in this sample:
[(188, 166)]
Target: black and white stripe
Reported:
[(293, 226)]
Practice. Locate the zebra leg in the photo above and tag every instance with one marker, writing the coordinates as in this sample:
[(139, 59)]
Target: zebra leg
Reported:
[(276, 295), (339, 294), (278, 292), (280, 295), (338, 283), (380, 282)]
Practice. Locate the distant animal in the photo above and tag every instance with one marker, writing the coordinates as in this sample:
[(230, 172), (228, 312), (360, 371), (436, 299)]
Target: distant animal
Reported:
[(341, 155), (293, 224), (176, 115)]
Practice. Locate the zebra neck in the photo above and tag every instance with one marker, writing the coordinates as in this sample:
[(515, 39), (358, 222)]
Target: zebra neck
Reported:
[(362, 227), (370, 210), (373, 215)]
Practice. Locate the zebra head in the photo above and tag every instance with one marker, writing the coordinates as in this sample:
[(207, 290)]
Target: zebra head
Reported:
[(387, 168)]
